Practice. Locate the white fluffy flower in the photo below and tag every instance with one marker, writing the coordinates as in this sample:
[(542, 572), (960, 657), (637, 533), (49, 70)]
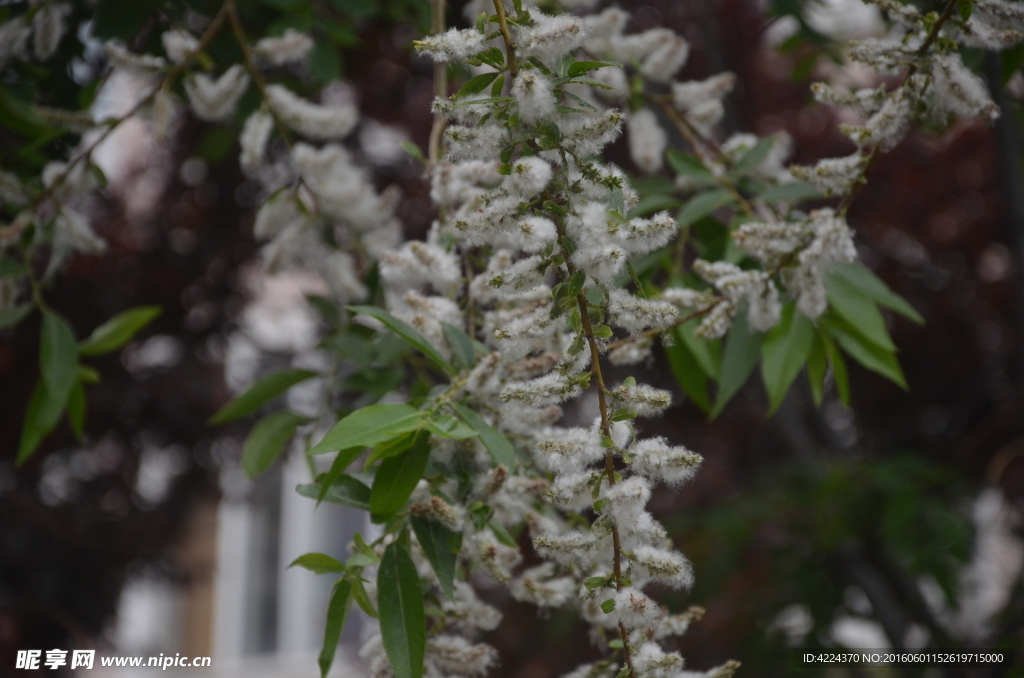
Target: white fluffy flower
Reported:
[(654, 458), (569, 450), (688, 95), (832, 175), (536, 233), (456, 655), (539, 586), (635, 609), (454, 45), (959, 91), (214, 100), (665, 61), (635, 314), (291, 47), (528, 176), (647, 140), (534, 97), (308, 119), (551, 36), (253, 140), (467, 612), (120, 57), (645, 400), (626, 500), (14, 35), (48, 28), (651, 661), (179, 44)]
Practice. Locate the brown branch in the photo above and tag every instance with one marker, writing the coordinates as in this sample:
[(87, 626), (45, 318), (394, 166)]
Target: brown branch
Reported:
[(510, 48), (440, 82)]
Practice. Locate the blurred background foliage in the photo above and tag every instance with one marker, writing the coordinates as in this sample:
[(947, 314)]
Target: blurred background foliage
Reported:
[(797, 523)]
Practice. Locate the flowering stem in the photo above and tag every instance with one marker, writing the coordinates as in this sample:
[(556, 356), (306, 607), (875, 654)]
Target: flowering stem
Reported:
[(510, 49), (694, 140), (929, 40), (440, 81)]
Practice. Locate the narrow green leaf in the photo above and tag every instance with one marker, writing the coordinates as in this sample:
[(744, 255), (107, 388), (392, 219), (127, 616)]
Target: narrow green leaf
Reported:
[(476, 84), (406, 332), (41, 416), (447, 426), (400, 605), (346, 491), (794, 191), (397, 478), (58, 357), (363, 599), (753, 158), (341, 462), (320, 563), (337, 611), (266, 441), (265, 389), (839, 372), (414, 151), (118, 331), (860, 311), (76, 409), (368, 426), (9, 317), (461, 345), (870, 284), (497, 444), (441, 546), (691, 167), (817, 368), (707, 353), (581, 67), (689, 375), (389, 448), (784, 352), (742, 350), (9, 267), (863, 350), (703, 204)]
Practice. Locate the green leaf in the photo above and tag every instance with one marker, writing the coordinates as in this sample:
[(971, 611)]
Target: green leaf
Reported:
[(10, 267), (319, 563), (118, 331), (794, 191), (616, 200), (753, 158), (839, 372), (9, 317), (406, 332), (266, 441), (341, 462), (608, 605), (462, 345), (497, 444), (581, 67), (784, 351), (41, 416), (441, 546), (860, 311), (363, 599), (403, 626), (688, 374), (742, 350), (58, 357), (414, 151), (654, 203), (76, 409), (707, 354), (397, 478), (324, 62), (870, 284), (337, 611), (259, 393), (390, 448), (817, 368), (368, 426), (863, 350), (345, 490), (447, 426), (476, 84), (691, 167), (703, 204)]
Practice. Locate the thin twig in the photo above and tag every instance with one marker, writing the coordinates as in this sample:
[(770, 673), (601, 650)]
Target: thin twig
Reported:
[(437, 27), (506, 35)]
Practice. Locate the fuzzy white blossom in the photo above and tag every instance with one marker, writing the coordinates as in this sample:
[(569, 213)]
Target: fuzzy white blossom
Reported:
[(179, 44), (647, 140), (315, 121), (215, 99), (454, 45), (48, 26), (534, 96), (290, 47)]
